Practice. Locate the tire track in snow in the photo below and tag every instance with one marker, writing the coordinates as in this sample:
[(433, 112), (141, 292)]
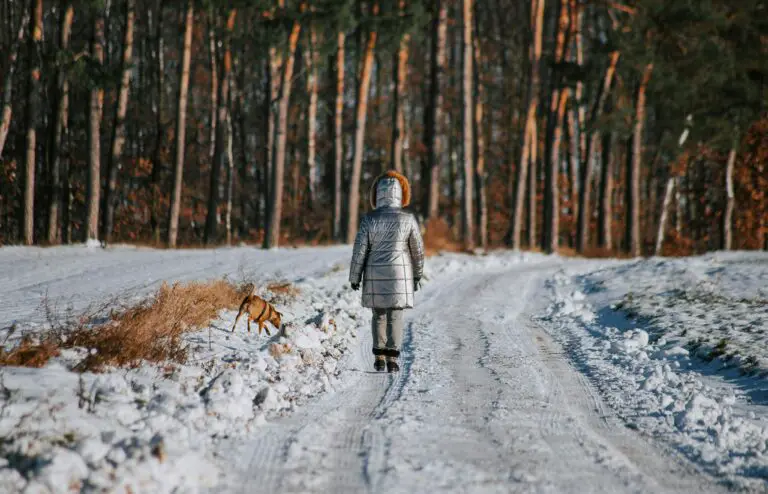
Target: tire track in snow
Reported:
[(485, 402)]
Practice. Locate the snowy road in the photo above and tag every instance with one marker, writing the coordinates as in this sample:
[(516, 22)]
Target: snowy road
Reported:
[(486, 402)]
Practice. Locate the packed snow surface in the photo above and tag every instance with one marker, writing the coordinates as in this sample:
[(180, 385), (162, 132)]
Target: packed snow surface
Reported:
[(678, 349), (520, 373)]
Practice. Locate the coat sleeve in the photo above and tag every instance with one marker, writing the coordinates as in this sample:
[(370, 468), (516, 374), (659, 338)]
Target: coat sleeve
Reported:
[(359, 252), (416, 247)]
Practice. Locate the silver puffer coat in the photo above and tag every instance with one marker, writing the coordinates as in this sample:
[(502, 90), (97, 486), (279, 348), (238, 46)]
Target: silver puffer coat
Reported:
[(389, 252)]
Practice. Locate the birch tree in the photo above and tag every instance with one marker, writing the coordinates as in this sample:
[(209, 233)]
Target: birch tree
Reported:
[(272, 234), (633, 173), (181, 126), (118, 131), (584, 208), (468, 220), (33, 103), (310, 57), (361, 112), (58, 198), (400, 75), (338, 134), (434, 113), (220, 154), (94, 131), (528, 149)]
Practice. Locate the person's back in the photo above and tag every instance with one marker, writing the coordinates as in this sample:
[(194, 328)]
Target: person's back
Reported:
[(389, 257)]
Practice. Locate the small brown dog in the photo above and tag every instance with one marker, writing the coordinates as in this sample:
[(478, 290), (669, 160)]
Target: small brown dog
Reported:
[(260, 311)]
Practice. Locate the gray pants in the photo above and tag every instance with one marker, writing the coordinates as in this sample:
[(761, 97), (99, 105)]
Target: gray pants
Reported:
[(387, 326)]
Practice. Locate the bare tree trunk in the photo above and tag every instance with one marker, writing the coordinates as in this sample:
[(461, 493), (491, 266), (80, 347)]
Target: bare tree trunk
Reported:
[(528, 149), (605, 223), (118, 131), (57, 198), (310, 57), (434, 117), (272, 237), (533, 175), (679, 206), (94, 133), (559, 98), (552, 193), (5, 122), (33, 102), (633, 178), (181, 126), (728, 218), (160, 126), (579, 134), (230, 172), (482, 193), (668, 194), (212, 218), (398, 114), (214, 84), (407, 129), (576, 116), (295, 192), (360, 120), (574, 165), (453, 173), (584, 209), (338, 136), (468, 222), (273, 77)]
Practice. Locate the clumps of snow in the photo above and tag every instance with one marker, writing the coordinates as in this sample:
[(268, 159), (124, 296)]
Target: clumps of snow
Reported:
[(639, 353), (150, 429), (93, 243), (715, 310)]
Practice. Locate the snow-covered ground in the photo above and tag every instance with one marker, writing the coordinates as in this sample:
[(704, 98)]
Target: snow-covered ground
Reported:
[(521, 373), (678, 349)]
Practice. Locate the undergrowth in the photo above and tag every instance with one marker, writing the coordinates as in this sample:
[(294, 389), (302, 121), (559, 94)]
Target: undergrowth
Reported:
[(149, 331)]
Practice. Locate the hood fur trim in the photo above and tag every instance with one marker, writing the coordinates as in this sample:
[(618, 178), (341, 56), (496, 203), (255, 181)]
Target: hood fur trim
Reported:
[(403, 185)]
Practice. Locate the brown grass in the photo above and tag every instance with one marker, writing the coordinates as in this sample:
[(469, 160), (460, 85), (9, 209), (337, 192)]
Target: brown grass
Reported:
[(593, 253), (30, 354), (438, 237), (150, 331)]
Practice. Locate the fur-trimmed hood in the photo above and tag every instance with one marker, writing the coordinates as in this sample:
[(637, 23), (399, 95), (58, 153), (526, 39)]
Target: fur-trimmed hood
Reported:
[(404, 185)]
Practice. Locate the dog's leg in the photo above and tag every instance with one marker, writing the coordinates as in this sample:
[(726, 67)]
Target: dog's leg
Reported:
[(249, 325), (266, 328), (236, 319)]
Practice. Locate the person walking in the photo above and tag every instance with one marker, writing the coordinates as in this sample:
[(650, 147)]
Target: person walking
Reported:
[(388, 259)]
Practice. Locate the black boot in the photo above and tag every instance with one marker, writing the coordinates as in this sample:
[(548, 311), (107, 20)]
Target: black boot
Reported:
[(378, 363), (392, 365)]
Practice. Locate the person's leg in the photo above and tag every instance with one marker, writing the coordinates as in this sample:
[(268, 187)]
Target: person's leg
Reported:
[(395, 328), (379, 336), (395, 325)]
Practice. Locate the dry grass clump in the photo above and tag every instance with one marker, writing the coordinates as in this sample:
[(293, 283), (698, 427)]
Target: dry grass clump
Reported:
[(153, 331), (150, 331), (438, 237), (29, 353)]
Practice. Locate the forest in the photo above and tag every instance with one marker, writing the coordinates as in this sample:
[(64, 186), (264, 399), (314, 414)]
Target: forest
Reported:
[(593, 127)]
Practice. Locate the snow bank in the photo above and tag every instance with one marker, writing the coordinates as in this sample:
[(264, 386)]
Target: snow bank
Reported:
[(150, 429), (639, 351)]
